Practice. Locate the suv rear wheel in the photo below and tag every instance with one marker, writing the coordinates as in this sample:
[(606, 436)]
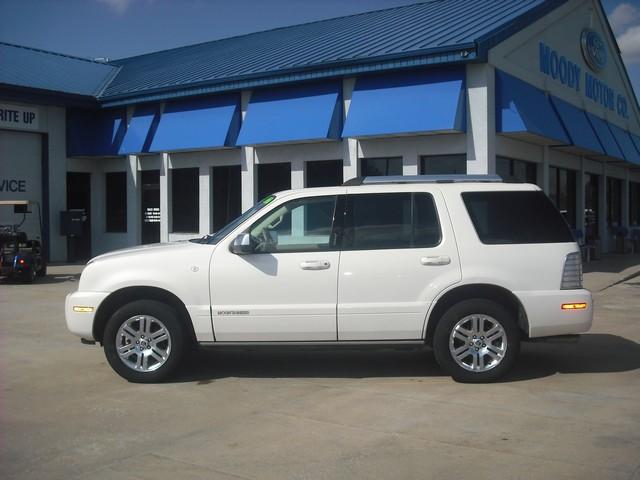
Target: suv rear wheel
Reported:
[(144, 341), (476, 341)]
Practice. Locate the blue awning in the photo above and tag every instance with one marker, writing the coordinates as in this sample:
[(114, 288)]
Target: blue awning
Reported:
[(607, 140), (523, 110), (293, 113), (407, 102), (140, 130), (636, 141), (577, 126), (198, 123), (94, 132), (625, 143)]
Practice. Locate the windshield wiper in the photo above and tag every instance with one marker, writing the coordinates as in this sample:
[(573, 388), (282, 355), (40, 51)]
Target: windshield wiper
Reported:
[(203, 239)]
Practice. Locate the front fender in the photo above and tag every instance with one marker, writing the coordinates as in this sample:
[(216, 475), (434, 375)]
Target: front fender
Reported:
[(182, 272)]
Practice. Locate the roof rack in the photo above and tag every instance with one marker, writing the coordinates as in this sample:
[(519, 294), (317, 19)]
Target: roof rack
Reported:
[(376, 180)]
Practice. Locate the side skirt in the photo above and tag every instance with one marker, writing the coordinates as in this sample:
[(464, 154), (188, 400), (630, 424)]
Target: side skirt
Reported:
[(329, 345)]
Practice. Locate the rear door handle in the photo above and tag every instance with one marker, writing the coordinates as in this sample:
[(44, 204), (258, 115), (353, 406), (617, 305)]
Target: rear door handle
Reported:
[(436, 260), (315, 265)]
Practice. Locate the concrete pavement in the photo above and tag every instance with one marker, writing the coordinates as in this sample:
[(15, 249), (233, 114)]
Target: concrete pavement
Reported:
[(566, 411)]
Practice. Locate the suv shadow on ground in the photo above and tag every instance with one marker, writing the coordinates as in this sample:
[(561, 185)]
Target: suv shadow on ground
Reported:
[(594, 353), (46, 280), (612, 263)]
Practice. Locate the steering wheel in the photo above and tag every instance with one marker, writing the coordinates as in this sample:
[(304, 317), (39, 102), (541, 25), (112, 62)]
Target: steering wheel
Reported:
[(262, 241)]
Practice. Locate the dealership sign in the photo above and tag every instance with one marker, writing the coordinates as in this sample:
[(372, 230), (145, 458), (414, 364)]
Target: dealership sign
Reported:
[(570, 74), (594, 50), (19, 118)]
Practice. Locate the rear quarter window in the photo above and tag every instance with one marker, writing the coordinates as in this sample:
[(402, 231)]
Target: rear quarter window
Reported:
[(516, 217)]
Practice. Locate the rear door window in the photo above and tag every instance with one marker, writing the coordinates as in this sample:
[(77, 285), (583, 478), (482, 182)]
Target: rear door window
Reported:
[(516, 217), (390, 220)]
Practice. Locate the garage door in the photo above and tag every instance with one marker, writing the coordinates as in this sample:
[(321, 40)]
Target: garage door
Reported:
[(20, 176)]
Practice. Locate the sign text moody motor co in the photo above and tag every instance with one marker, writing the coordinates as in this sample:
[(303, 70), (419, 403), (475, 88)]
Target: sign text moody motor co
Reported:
[(568, 73)]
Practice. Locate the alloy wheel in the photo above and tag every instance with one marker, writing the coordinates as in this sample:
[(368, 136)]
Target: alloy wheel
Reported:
[(478, 343), (143, 343)]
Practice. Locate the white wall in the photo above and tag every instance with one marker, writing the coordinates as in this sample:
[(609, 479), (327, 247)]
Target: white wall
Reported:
[(410, 148)]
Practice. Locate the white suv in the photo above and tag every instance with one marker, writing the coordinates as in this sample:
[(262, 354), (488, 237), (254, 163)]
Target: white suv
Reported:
[(465, 264)]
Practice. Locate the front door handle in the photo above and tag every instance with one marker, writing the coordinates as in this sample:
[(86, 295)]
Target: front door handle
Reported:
[(436, 260), (315, 265)]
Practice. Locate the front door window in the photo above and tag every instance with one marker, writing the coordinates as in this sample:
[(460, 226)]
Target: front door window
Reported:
[(302, 225)]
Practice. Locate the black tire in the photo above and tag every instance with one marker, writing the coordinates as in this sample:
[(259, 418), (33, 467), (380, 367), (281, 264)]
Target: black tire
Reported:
[(43, 270), (165, 314), (445, 327), (28, 275)]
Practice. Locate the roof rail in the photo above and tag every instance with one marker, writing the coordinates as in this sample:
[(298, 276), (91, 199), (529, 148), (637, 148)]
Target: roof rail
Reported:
[(376, 180)]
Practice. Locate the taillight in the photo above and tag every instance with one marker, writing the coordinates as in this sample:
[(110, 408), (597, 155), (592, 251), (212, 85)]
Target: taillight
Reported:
[(572, 272)]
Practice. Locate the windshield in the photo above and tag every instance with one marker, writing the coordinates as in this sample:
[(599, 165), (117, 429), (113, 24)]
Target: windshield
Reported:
[(224, 231)]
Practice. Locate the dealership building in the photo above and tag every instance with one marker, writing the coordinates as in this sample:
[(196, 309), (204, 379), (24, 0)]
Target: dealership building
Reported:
[(174, 144)]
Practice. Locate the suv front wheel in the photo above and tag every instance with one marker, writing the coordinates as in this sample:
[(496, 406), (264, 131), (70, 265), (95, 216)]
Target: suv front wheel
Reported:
[(476, 341), (144, 341)]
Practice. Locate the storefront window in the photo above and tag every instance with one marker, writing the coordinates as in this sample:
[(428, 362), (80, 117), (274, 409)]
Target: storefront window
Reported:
[(324, 173), (614, 202), (227, 195), (553, 185), (591, 207), (562, 192), (516, 171), (116, 201), (272, 178), (185, 200), (634, 204), (443, 165), (150, 206), (374, 167)]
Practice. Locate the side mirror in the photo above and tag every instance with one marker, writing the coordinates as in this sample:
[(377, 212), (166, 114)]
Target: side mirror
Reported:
[(242, 245)]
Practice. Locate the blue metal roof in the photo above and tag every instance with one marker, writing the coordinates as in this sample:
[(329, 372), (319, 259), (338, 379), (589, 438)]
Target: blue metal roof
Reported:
[(39, 69), (436, 31)]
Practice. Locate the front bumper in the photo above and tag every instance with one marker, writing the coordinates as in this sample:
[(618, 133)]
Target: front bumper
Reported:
[(546, 317), (80, 319)]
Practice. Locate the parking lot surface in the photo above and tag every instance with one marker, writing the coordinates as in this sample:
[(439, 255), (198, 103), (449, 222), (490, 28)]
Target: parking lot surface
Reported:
[(566, 411)]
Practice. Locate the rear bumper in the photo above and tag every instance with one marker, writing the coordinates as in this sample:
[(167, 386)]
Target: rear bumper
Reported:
[(80, 323), (9, 264), (546, 317)]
